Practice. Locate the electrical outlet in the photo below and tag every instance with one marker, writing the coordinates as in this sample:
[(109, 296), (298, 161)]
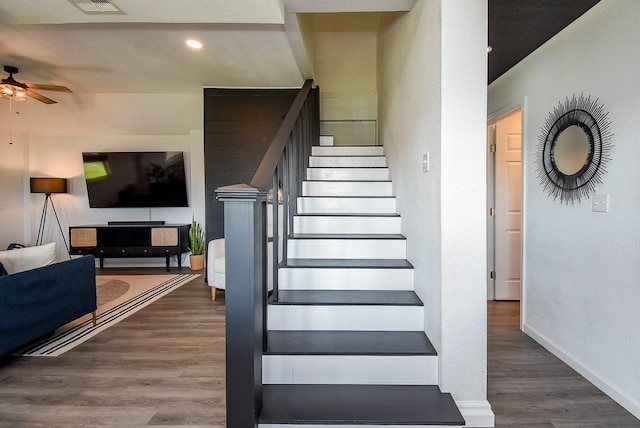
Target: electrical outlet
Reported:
[(425, 162), (600, 203)]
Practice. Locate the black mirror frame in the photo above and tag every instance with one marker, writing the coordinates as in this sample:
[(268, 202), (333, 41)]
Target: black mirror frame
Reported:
[(589, 116)]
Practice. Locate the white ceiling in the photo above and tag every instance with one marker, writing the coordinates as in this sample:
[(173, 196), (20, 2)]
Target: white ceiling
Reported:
[(247, 43)]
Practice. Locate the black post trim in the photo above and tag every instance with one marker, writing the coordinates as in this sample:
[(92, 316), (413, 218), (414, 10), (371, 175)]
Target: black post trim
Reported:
[(244, 229)]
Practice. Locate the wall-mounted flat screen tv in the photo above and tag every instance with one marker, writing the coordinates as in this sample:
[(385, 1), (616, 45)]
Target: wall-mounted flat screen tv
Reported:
[(135, 179)]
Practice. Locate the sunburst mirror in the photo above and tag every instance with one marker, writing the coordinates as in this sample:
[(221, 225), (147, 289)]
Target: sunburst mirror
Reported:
[(573, 149)]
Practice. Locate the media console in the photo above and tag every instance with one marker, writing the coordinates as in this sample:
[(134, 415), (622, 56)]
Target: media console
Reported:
[(130, 239)]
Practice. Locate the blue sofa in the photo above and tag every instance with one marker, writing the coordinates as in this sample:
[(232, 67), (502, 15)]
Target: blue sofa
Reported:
[(34, 303)]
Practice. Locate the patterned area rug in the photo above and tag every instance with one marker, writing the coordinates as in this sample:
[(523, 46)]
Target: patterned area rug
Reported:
[(108, 290), (118, 297)]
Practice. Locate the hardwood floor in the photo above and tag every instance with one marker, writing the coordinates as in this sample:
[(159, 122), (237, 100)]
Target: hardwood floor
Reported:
[(164, 366), (529, 387)]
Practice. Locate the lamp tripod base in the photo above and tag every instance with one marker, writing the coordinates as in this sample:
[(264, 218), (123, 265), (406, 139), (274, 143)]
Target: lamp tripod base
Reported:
[(43, 221)]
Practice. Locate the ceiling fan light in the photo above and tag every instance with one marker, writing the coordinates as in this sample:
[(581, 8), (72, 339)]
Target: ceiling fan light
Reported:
[(7, 90), (19, 95), (14, 93)]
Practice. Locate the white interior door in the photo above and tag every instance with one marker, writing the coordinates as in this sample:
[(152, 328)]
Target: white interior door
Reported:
[(508, 207)]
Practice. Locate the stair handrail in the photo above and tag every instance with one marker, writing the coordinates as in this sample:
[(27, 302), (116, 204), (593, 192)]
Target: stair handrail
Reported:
[(284, 163), (271, 158)]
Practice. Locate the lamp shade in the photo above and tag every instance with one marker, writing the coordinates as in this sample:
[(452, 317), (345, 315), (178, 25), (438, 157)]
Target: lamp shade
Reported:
[(48, 185)]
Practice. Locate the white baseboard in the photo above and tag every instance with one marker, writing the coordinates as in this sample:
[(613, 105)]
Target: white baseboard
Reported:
[(602, 383), (477, 413)]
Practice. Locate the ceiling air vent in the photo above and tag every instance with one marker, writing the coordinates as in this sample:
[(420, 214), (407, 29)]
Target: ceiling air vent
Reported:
[(97, 7)]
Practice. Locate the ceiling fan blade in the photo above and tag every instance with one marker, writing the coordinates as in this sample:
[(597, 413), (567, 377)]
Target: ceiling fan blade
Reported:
[(56, 88), (42, 98)]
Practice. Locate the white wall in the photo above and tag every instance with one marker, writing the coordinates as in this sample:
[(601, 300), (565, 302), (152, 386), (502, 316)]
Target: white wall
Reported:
[(345, 61), (343, 48), (350, 117), (346, 73), (581, 271), (11, 191), (409, 111), (432, 99), (49, 141)]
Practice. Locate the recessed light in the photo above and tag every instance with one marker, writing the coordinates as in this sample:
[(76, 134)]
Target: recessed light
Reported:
[(194, 44)]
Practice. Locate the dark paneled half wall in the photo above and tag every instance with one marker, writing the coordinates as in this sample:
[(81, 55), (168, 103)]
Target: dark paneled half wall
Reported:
[(239, 125)]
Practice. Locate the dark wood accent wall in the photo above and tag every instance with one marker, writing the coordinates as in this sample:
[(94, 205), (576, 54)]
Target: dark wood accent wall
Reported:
[(239, 125)]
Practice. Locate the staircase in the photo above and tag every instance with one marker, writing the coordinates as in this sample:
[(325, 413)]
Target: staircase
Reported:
[(346, 345)]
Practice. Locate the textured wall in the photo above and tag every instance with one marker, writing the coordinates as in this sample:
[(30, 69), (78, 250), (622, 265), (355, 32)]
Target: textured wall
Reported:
[(432, 86), (581, 270)]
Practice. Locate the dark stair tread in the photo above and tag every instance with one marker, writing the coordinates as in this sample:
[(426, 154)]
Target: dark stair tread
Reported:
[(348, 263), (358, 405), (348, 297), (348, 236), (323, 342)]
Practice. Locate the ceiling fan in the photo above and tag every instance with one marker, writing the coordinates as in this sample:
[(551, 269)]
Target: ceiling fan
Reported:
[(11, 89)]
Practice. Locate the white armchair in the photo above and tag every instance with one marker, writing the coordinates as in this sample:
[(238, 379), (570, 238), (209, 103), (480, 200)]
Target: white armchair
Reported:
[(216, 266)]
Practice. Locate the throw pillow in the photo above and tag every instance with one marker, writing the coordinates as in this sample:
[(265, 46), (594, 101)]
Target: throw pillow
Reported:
[(22, 259), (3, 271)]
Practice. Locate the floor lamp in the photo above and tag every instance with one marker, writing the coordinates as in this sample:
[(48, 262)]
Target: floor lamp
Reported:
[(48, 186)]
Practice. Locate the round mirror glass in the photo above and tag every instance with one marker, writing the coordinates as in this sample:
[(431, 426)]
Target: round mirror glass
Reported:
[(571, 150)]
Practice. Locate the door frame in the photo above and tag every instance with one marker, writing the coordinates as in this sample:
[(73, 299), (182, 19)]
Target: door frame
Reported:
[(492, 119)]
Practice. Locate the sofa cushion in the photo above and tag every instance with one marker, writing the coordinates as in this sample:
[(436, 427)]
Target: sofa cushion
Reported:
[(27, 258)]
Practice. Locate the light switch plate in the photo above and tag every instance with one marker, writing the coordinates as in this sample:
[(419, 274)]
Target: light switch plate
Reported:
[(600, 203), (425, 162)]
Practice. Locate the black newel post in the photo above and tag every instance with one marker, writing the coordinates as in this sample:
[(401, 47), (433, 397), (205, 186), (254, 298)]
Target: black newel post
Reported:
[(244, 224)]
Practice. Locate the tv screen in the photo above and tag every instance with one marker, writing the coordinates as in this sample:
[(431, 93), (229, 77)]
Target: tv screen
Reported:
[(135, 179)]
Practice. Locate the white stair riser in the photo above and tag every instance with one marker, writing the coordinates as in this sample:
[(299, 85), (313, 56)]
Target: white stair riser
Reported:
[(345, 205), (347, 248), (350, 224), (326, 140), (350, 369), (347, 161), (345, 279), (345, 317), (347, 151), (347, 188), (346, 174)]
